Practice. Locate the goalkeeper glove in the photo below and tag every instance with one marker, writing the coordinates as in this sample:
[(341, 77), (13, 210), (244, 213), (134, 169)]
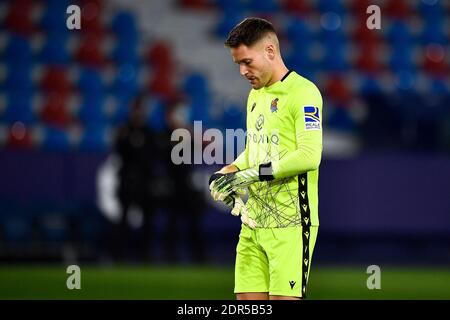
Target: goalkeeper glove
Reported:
[(239, 209), (225, 184), (233, 201)]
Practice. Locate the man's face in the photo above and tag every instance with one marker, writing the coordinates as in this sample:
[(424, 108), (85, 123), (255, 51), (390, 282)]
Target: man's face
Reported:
[(254, 64)]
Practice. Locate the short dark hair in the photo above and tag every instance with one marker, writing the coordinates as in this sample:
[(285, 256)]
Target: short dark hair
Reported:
[(248, 32)]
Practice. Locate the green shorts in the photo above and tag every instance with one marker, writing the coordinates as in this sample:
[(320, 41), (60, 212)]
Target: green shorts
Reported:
[(274, 260)]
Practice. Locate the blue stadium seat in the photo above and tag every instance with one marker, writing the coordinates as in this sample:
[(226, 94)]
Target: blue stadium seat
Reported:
[(55, 139), (90, 82), (95, 139), (124, 26), (399, 34), (335, 58), (55, 16), (431, 10), (92, 109), (340, 119), (401, 59), (157, 115), (335, 6), (19, 107), (230, 6), (195, 85), (54, 50), (18, 51), (369, 85), (433, 32), (122, 108), (299, 32), (227, 21), (126, 81), (233, 117), (267, 6), (18, 78), (125, 52)]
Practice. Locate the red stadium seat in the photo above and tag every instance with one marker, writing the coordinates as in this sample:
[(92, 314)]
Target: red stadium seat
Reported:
[(18, 18), (90, 53), (55, 79), (55, 111), (160, 57), (434, 61), (19, 137), (297, 7), (337, 89), (196, 4), (367, 60), (162, 86), (397, 9)]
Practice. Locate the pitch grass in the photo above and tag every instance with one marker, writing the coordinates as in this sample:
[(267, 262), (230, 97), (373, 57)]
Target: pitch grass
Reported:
[(211, 282)]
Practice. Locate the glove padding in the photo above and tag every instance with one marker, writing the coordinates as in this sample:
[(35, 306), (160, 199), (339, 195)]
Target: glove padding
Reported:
[(232, 200), (226, 184), (239, 209)]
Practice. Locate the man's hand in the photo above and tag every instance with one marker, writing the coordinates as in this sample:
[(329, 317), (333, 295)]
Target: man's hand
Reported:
[(239, 209), (232, 200), (231, 182)]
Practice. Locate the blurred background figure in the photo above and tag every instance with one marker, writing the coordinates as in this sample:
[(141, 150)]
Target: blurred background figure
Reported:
[(65, 96), (135, 146)]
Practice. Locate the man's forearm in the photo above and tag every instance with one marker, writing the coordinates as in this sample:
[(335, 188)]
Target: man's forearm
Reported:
[(229, 168)]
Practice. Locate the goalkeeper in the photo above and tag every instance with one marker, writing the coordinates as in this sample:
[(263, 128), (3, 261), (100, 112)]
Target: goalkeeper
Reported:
[(279, 167)]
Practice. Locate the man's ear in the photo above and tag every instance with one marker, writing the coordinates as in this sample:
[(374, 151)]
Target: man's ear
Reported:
[(270, 51)]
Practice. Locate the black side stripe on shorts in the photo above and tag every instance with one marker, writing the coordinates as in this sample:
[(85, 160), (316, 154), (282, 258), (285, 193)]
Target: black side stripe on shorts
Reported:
[(305, 216)]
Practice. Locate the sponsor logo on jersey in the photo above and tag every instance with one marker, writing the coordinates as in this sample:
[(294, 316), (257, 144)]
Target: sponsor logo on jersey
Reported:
[(274, 105), (259, 122), (312, 118), (253, 106)]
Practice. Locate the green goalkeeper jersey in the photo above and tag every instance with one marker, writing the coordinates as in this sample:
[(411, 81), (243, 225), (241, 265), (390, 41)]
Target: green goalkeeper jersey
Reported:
[(284, 127)]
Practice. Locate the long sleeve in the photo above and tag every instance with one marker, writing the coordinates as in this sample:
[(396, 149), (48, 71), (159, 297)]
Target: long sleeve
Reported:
[(307, 115), (242, 160)]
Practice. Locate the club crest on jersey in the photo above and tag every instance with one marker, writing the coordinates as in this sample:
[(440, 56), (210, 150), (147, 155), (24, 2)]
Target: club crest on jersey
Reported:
[(312, 118), (274, 106)]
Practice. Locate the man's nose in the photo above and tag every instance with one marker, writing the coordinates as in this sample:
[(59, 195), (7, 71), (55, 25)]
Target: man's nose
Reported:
[(243, 70)]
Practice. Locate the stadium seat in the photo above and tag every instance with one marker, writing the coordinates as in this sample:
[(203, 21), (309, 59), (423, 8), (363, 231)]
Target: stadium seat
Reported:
[(124, 26), (335, 6), (55, 139), (55, 79), (268, 6), (433, 32), (125, 51), (397, 10), (19, 136), (55, 112), (19, 107), (227, 21), (95, 138), (126, 81), (401, 59), (90, 52), (399, 34), (18, 18), (92, 109), (54, 51), (296, 7), (156, 115), (54, 16), (160, 57), (18, 78), (90, 82), (18, 51)]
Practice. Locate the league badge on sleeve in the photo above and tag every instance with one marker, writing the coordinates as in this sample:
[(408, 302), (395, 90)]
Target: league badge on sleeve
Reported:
[(312, 118)]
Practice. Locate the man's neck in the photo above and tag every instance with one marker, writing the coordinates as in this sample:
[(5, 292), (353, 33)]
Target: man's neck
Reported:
[(278, 74)]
